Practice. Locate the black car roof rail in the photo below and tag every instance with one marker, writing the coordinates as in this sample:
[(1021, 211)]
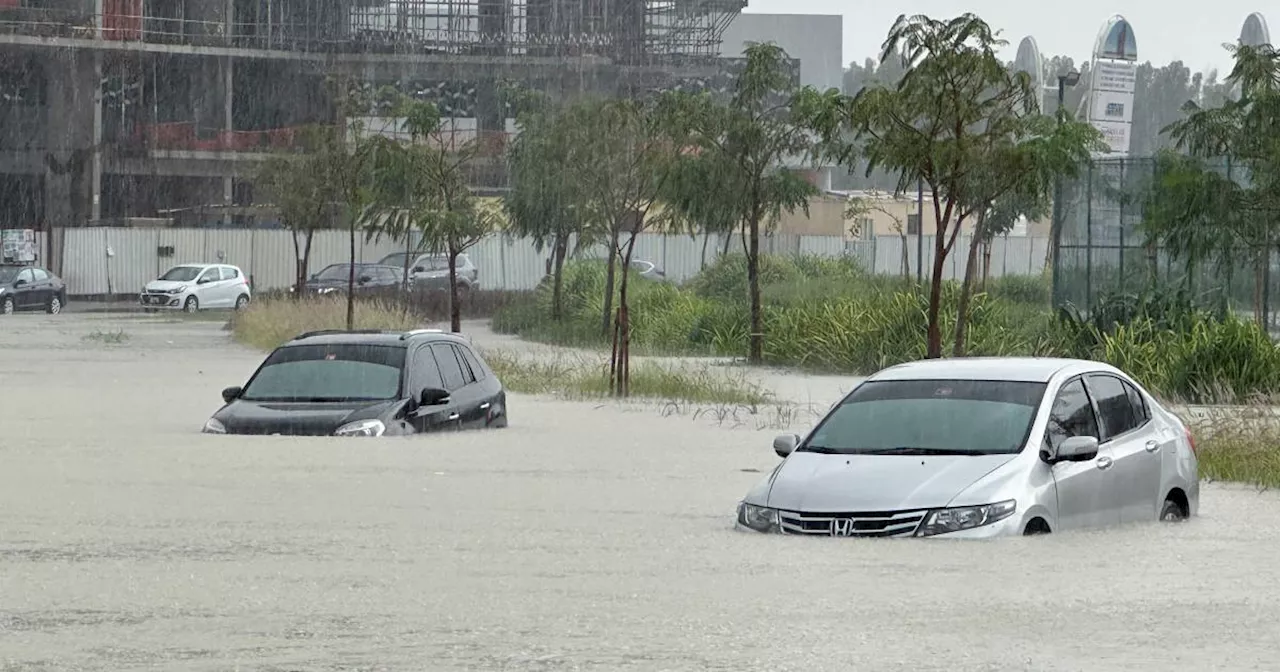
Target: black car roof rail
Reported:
[(327, 332)]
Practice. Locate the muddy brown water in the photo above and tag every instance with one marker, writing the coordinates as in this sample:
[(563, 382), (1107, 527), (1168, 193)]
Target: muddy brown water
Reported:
[(584, 537)]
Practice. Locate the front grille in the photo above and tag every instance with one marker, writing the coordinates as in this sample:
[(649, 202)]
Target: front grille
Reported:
[(856, 524)]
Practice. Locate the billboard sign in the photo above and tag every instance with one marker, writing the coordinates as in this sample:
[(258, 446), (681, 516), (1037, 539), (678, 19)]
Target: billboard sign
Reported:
[(1113, 82)]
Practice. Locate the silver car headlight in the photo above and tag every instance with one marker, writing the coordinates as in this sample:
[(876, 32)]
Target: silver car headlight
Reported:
[(942, 521), (758, 518), (178, 290), (362, 428), (214, 426)]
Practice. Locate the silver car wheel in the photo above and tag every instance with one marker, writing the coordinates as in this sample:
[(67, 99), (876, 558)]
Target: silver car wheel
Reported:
[(7, 306), (1171, 513), (55, 306)]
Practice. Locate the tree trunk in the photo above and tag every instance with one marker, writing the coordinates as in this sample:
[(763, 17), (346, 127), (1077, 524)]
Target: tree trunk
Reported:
[(304, 263), (455, 307), (728, 240), (1259, 283), (706, 238), (620, 367), (986, 262), (609, 274), (906, 260), (966, 293), (299, 273), (351, 276), (557, 276), (934, 345), (756, 352), (408, 261)]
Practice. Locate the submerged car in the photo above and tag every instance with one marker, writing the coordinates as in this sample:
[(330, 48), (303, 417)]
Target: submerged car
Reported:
[(981, 447), (195, 287), (366, 383), (26, 287)]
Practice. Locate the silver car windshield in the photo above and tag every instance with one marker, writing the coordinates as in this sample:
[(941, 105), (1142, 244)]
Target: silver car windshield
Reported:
[(930, 417)]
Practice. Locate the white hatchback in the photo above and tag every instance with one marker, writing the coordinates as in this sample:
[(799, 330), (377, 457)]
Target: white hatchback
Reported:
[(193, 287)]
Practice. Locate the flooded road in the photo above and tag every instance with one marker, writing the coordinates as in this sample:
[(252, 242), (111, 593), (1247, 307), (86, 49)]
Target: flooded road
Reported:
[(582, 538)]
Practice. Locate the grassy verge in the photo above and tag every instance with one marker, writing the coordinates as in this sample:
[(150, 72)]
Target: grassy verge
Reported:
[(1240, 445), (268, 323)]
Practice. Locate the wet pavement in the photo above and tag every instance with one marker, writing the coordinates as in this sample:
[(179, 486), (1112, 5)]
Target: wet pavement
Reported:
[(584, 537)]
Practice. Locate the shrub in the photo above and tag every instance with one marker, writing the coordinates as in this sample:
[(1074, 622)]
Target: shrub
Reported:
[(1240, 445), (267, 323)]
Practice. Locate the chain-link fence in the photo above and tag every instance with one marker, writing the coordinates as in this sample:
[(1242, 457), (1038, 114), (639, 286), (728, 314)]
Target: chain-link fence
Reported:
[(1104, 249)]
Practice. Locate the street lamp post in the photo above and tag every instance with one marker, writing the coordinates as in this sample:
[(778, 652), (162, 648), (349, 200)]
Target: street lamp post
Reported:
[(1055, 229)]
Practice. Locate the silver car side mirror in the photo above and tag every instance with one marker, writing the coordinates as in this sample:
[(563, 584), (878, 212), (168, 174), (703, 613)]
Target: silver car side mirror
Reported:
[(785, 444), (1077, 449)]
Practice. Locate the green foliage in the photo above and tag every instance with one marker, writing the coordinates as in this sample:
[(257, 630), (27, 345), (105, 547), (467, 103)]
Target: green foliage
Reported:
[(829, 315)]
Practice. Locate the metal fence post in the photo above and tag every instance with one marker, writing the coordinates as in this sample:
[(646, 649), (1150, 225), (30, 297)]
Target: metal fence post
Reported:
[(1088, 240)]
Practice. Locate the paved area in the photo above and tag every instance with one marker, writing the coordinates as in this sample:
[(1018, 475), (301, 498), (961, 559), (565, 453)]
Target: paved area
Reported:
[(584, 537)]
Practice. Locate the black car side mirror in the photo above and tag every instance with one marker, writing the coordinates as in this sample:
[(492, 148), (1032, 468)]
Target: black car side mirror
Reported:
[(231, 394), (19, 282), (434, 396), (419, 269), (364, 279)]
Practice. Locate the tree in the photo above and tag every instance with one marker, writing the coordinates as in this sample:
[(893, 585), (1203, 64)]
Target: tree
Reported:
[(622, 153), (738, 170), (545, 203), (304, 191), (1245, 133), (351, 172), (421, 185), (952, 121)]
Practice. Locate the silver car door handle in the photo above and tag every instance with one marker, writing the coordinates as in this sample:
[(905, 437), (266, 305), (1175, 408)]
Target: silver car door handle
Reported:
[(1104, 463), (484, 406), (1153, 446), (453, 416)]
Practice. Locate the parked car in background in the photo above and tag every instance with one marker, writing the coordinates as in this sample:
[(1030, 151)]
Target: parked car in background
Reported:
[(366, 383), (648, 270), (28, 287), (981, 447), (193, 287), (370, 278), (430, 271)]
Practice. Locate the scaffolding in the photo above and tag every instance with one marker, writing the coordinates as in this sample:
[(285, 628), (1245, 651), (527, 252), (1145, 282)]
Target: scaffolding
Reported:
[(625, 31)]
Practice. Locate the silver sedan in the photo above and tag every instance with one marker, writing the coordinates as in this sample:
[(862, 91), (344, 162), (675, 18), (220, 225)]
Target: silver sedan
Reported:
[(981, 447)]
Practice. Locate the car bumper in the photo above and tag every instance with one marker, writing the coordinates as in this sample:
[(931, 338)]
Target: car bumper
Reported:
[(1009, 527), (160, 301)]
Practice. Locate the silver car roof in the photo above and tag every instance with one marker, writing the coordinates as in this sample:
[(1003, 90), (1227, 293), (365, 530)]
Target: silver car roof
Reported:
[(1012, 369)]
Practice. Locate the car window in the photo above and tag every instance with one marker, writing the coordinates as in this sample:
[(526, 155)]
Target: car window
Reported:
[(470, 358), (1071, 415), (1138, 402), (468, 376), (450, 370), (432, 263), (335, 372), (387, 275), (181, 274), (425, 370), (209, 275), (966, 416), (26, 275), (1114, 408), (39, 275), (229, 273), (463, 261)]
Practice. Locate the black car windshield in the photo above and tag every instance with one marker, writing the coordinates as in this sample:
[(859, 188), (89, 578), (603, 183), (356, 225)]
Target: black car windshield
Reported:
[(338, 272), (343, 372), (9, 273), (930, 417), (182, 273)]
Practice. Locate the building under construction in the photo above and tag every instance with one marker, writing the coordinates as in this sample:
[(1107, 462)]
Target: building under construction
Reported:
[(119, 109)]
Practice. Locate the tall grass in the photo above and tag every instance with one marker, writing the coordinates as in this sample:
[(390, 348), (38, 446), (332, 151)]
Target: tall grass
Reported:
[(268, 323)]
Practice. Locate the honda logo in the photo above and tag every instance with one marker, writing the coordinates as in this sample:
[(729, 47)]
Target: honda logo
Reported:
[(842, 527)]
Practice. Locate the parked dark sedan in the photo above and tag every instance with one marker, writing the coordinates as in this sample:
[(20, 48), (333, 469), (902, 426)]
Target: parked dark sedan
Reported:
[(25, 287), (370, 278), (366, 383)]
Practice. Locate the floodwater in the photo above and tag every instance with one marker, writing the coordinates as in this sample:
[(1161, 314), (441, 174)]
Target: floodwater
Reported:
[(584, 537)]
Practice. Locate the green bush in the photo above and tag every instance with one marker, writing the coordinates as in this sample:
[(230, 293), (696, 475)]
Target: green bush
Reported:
[(830, 315)]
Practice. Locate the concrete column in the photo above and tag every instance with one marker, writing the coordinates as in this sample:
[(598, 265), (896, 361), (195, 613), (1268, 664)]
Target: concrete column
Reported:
[(98, 11), (73, 137), (228, 95)]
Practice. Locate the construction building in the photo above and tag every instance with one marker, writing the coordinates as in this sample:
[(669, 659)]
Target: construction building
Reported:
[(121, 109)]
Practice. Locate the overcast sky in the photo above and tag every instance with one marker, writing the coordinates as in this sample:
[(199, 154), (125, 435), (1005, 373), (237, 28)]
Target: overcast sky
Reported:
[(1166, 30)]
